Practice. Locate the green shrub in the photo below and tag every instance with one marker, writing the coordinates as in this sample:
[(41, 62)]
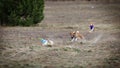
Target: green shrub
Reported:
[(21, 12)]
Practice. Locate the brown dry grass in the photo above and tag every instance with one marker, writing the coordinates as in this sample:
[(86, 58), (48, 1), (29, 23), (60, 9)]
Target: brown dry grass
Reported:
[(20, 47)]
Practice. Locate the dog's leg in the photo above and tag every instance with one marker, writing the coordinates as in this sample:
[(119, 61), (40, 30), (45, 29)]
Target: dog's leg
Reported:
[(72, 40), (76, 39)]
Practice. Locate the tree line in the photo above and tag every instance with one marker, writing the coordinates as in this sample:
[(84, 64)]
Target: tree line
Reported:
[(21, 12)]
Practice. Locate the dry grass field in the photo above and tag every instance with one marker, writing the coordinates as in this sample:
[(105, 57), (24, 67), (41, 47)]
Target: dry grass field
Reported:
[(20, 47)]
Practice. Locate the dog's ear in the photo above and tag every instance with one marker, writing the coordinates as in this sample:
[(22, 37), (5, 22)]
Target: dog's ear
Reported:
[(77, 32), (71, 33)]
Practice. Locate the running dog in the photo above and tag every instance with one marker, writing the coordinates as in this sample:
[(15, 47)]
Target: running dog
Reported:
[(75, 35), (47, 42)]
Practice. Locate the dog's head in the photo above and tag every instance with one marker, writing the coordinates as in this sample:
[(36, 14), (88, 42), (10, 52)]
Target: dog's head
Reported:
[(72, 34)]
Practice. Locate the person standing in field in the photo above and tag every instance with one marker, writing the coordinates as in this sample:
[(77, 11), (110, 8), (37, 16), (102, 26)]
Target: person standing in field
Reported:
[(92, 28)]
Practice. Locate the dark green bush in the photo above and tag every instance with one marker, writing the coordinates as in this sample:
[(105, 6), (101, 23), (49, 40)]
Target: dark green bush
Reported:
[(21, 12)]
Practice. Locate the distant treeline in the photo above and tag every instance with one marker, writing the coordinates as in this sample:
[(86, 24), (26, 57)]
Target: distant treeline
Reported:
[(21, 12)]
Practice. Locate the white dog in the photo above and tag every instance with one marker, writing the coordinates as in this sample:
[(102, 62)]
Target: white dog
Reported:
[(47, 42)]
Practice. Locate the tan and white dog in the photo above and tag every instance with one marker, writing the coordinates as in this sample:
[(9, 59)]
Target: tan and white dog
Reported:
[(76, 35)]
